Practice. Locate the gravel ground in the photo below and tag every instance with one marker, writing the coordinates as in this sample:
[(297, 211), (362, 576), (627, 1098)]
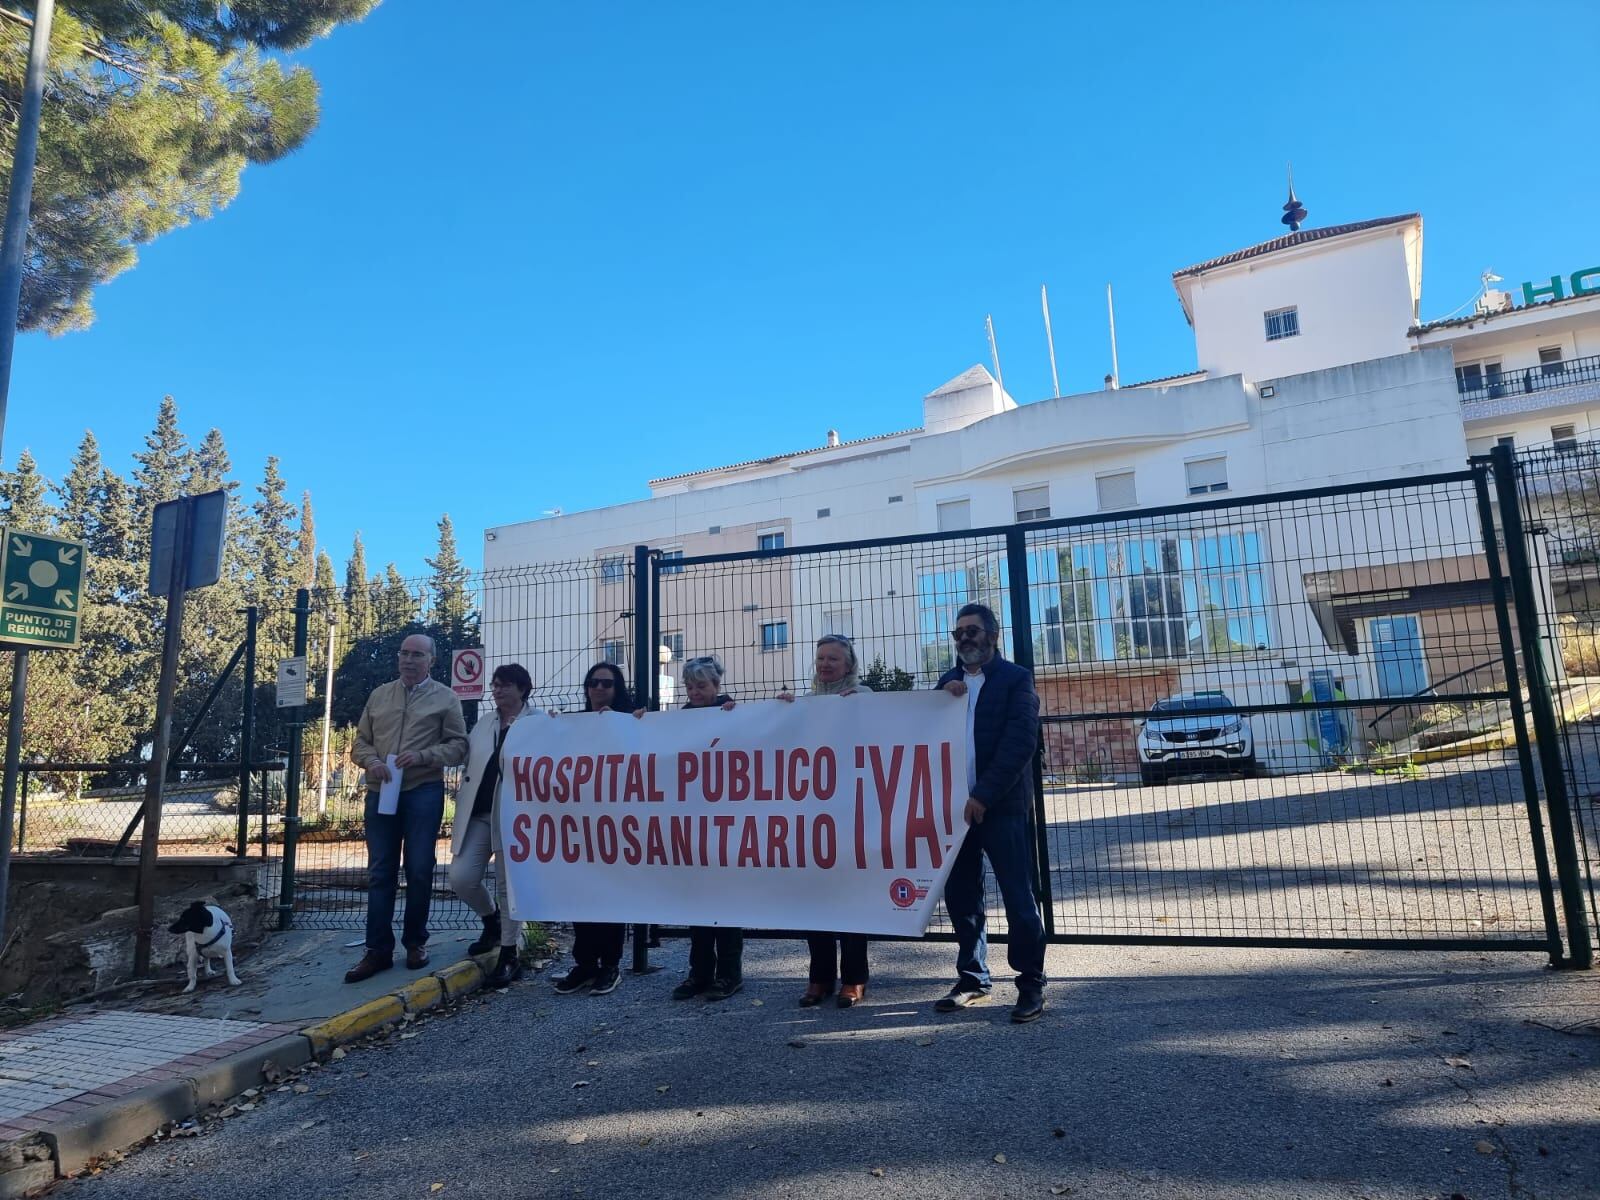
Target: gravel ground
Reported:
[(1157, 1072)]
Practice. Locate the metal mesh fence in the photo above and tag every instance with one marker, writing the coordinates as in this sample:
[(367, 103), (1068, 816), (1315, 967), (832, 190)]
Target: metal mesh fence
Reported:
[(1284, 720), (1288, 720), (556, 619), (1559, 493)]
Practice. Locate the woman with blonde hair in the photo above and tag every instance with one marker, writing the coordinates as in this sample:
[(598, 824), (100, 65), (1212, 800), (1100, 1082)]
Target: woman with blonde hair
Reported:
[(835, 957)]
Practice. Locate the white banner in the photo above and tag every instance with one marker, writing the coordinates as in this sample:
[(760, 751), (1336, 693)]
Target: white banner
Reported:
[(832, 813)]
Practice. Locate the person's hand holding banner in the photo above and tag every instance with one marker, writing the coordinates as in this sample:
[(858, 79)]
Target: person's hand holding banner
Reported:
[(810, 815)]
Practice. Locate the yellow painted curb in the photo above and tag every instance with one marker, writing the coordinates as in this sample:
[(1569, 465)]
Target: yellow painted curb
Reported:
[(460, 978), (357, 1022), (421, 994)]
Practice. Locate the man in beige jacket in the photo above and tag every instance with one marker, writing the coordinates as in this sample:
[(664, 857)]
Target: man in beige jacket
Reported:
[(417, 720)]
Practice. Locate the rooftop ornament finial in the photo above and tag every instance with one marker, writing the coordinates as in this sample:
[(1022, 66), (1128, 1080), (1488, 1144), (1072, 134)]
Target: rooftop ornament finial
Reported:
[(1293, 211)]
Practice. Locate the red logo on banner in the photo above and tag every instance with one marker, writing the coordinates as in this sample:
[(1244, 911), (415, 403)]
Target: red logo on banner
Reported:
[(903, 892)]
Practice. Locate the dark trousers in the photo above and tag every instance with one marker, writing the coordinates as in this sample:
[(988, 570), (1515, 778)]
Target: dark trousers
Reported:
[(1003, 836), (715, 952), (412, 828), (838, 956), (597, 944)]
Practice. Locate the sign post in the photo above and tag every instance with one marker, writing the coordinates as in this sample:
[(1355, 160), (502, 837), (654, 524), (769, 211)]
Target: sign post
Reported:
[(41, 604), (186, 538)]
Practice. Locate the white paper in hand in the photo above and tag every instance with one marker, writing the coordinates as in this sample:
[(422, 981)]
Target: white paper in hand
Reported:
[(389, 791)]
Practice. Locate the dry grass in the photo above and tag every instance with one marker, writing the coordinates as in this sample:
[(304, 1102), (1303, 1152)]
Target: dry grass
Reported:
[(1580, 648)]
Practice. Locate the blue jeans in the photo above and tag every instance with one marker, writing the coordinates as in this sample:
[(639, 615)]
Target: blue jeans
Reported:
[(415, 827), (1003, 836)]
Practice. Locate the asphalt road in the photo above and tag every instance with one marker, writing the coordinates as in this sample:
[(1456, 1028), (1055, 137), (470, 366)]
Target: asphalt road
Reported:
[(1159, 1073)]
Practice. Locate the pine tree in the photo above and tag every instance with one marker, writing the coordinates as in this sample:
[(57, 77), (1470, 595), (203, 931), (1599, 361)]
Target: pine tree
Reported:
[(323, 585), (452, 602), (273, 536), (209, 467), (82, 489), (23, 503), (154, 110), (165, 464), (396, 607), (357, 592), (305, 554)]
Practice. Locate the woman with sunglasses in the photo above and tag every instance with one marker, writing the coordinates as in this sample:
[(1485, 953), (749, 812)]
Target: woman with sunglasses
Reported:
[(716, 952), (840, 957), (597, 945)]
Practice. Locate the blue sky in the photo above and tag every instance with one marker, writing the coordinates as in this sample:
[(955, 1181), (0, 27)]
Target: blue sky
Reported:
[(534, 261)]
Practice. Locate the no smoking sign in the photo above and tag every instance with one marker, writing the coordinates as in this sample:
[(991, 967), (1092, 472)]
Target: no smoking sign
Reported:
[(466, 673)]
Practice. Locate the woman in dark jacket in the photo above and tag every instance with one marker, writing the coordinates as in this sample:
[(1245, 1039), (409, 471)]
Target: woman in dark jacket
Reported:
[(597, 945)]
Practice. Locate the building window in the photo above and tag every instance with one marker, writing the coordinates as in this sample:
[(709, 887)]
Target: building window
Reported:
[(1476, 381), (1397, 657), (771, 541), (1177, 596), (1565, 437), (615, 653), (1506, 440), (896, 499), (954, 515), (1031, 503), (839, 620), (613, 569), (775, 635), (1115, 491), (1549, 360), (1282, 323), (668, 564), (673, 641), (824, 512), (1207, 475)]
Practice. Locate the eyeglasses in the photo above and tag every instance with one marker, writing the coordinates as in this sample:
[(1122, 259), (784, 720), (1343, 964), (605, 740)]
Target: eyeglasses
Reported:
[(966, 631), (597, 681)]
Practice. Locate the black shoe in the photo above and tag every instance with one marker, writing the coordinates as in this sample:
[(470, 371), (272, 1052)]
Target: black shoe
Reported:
[(958, 998), (690, 988), (491, 935), (723, 988), (1029, 1007), (575, 980), (606, 981), (507, 971)]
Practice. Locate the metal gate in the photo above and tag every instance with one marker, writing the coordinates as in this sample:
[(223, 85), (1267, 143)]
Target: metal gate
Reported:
[(1288, 720)]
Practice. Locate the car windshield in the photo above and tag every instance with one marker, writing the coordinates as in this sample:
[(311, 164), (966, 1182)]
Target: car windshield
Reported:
[(1184, 704)]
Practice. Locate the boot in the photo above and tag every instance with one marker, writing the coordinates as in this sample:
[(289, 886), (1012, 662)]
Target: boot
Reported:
[(491, 934), (507, 971)]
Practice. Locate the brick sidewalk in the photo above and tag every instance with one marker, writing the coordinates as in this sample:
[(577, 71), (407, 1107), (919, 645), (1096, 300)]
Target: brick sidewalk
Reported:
[(68, 1065)]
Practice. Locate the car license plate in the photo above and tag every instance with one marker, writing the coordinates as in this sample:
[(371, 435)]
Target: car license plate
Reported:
[(1194, 754)]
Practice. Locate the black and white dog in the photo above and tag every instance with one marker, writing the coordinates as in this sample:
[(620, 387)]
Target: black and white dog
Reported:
[(207, 933)]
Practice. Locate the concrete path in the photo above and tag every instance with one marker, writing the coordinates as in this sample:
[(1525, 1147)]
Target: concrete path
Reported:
[(1157, 1074)]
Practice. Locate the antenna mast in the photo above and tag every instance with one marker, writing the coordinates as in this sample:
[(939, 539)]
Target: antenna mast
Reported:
[(1050, 340)]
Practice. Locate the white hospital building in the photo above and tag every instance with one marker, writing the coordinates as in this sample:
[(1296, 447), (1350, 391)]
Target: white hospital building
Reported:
[(1314, 369)]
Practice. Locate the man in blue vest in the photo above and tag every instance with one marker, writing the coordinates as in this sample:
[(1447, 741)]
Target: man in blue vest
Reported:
[(1002, 735)]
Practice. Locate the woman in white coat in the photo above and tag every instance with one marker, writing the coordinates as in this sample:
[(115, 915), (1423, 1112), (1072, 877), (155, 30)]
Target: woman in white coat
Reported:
[(476, 834)]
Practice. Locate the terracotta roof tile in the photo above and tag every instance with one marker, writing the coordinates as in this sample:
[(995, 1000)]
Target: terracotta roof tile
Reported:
[(1293, 239)]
